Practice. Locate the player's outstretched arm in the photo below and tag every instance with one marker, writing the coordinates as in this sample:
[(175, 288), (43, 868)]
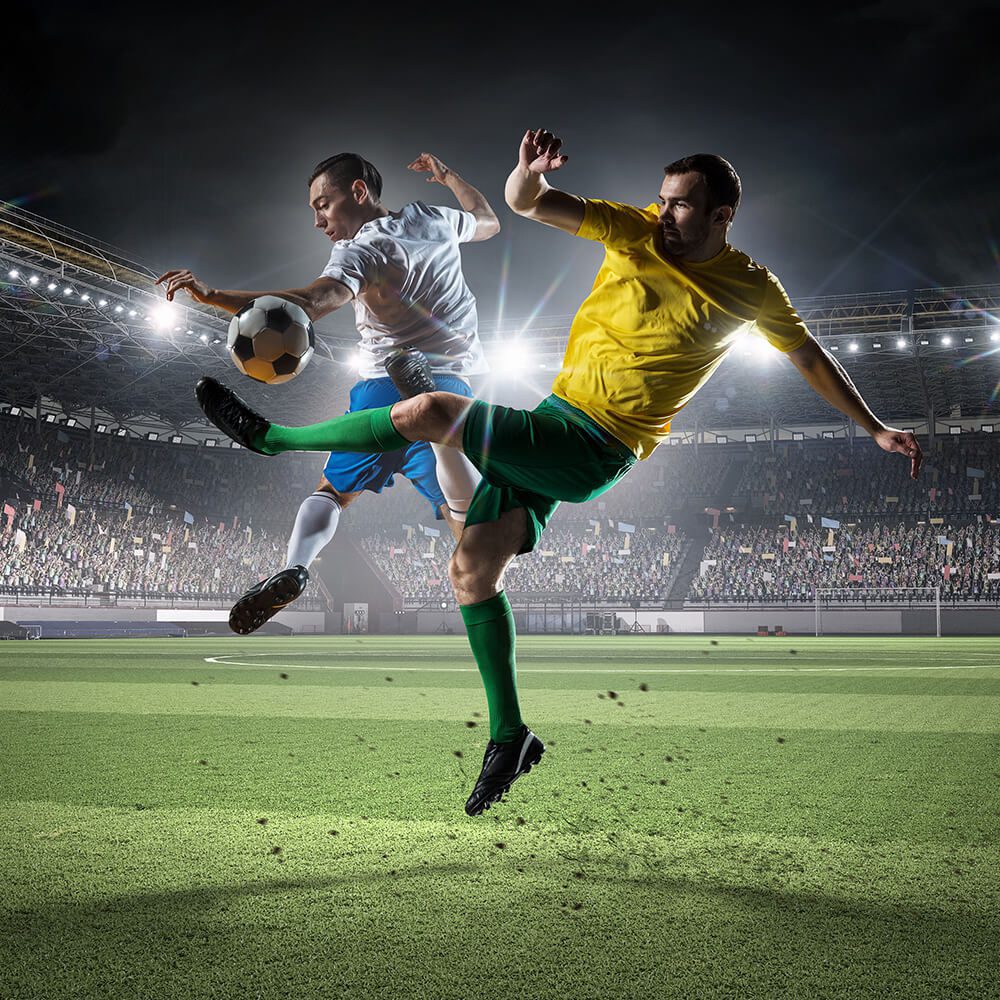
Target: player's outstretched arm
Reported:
[(828, 379), (321, 297), (468, 197), (528, 192)]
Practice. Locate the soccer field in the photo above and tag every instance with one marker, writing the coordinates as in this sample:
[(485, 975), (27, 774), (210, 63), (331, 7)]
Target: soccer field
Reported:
[(283, 818)]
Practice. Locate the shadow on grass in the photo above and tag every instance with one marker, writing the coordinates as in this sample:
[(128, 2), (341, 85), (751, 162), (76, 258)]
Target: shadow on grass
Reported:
[(540, 930)]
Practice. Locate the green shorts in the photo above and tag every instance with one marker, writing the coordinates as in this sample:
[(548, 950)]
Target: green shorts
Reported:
[(537, 458)]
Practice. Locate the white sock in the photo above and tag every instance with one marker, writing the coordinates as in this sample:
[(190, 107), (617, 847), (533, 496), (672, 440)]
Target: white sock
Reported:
[(315, 524), (457, 477)]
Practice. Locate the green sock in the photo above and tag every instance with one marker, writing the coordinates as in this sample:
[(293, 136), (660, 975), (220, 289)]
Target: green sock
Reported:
[(365, 431), (490, 625)]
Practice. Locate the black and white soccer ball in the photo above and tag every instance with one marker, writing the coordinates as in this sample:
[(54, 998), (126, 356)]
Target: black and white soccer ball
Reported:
[(271, 339)]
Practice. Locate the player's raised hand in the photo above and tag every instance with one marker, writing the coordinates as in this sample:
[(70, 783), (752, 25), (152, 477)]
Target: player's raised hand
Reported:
[(429, 163), (541, 151), (891, 439), (183, 279)]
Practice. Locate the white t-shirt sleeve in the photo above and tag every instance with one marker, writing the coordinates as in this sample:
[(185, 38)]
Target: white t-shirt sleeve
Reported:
[(352, 264), (464, 223)]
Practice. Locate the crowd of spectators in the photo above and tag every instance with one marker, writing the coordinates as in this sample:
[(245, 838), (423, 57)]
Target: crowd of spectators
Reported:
[(112, 472), (94, 551), (747, 564), (960, 475), (78, 503), (596, 559)]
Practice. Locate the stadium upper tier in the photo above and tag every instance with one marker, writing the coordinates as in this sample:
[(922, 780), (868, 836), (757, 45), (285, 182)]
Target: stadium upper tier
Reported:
[(85, 330)]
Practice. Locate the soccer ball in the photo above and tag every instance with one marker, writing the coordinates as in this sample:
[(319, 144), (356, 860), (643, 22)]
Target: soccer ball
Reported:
[(271, 339)]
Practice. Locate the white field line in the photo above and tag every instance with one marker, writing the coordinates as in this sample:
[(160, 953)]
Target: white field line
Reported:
[(225, 661)]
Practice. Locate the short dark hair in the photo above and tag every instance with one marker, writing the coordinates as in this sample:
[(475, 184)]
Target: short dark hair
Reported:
[(721, 179), (344, 169)]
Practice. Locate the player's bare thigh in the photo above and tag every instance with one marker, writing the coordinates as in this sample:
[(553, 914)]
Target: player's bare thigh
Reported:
[(432, 416)]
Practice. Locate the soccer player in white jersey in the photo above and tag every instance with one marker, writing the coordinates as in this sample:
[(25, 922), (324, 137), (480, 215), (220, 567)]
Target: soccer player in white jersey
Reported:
[(403, 271)]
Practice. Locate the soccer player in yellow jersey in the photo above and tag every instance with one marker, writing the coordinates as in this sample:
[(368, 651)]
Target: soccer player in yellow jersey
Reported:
[(670, 300)]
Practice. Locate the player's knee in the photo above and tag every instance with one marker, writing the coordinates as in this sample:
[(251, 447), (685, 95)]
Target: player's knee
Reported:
[(427, 415), (466, 572)]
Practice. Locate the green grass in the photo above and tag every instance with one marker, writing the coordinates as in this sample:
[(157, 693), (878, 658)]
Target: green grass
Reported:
[(758, 823)]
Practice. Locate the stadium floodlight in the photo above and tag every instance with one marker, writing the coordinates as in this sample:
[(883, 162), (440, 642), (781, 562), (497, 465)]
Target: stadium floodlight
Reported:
[(986, 428), (71, 421), (798, 436), (102, 302), (67, 290), (969, 340), (876, 344), (152, 436), (121, 432), (954, 429), (85, 296), (131, 313), (204, 338), (828, 434), (946, 340), (235, 444), (210, 442), (15, 411), (102, 428), (909, 430), (901, 343), (50, 418), (750, 438), (51, 286), (119, 309), (834, 347), (510, 357), (995, 337), (757, 347), (853, 345), (13, 273), (176, 439), (162, 316), (722, 439), (34, 279)]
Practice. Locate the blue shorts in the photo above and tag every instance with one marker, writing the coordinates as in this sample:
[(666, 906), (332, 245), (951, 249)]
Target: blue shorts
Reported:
[(352, 472)]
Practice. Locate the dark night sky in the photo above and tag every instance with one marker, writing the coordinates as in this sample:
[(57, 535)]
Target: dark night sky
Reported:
[(868, 141)]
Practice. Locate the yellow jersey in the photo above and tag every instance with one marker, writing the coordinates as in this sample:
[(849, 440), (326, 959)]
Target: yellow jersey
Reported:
[(654, 329)]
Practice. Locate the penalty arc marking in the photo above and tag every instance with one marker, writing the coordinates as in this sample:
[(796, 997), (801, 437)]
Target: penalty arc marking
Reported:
[(225, 661)]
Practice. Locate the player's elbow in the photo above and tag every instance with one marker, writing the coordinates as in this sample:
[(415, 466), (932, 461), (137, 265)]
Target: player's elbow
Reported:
[(487, 226)]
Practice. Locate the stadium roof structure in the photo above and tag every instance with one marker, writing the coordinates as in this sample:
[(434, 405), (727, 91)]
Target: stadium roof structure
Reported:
[(85, 329)]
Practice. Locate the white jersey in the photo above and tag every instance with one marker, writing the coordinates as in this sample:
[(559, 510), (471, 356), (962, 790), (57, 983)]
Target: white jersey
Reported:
[(405, 270)]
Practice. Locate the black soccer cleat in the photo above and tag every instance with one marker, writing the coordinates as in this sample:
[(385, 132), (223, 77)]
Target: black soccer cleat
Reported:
[(503, 764), (229, 413), (410, 372), (267, 598)]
